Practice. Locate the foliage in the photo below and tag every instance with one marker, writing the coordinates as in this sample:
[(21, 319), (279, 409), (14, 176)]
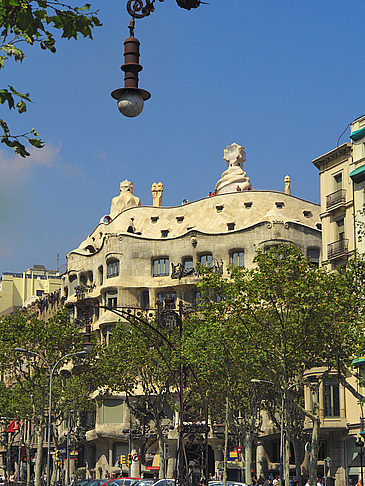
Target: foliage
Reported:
[(25, 392), (35, 22)]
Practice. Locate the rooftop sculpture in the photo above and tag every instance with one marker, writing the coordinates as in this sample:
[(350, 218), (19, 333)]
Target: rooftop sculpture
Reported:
[(234, 178)]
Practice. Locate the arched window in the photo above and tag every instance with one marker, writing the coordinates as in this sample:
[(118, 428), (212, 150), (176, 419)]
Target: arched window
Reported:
[(112, 268)]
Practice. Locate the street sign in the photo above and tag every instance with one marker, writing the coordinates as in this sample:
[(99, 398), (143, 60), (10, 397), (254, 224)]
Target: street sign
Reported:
[(135, 458)]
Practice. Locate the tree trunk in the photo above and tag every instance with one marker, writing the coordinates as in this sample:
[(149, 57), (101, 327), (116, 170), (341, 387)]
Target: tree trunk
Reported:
[(298, 471), (161, 448), (248, 459), (38, 462), (287, 457), (313, 457), (29, 476), (225, 444)]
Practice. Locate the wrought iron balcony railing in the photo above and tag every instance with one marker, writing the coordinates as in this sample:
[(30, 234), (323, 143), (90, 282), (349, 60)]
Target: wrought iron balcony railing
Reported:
[(337, 248), (335, 198)]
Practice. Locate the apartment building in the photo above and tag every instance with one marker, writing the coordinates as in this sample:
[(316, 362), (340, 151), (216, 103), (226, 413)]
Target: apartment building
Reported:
[(22, 289), (138, 255)]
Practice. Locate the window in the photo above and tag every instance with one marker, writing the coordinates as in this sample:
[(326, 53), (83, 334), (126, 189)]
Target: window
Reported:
[(219, 208), (111, 299), (179, 219), (39, 293), (230, 226), (338, 182), (340, 229), (279, 204), (313, 256), (111, 411), (164, 233), (161, 267), (107, 335), (331, 398), (238, 258), (145, 299), (207, 260), (112, 268), (101, 275), (168, 297), (154, 219), (188, 263), (248, 204), (73, 283), (307, 214)]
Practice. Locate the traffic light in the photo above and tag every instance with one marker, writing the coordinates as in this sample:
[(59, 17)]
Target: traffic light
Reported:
[(121, 460), (239, 449), (129, 459), (57, 455)]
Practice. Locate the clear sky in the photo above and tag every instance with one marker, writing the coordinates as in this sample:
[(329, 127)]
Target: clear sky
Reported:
[(282, 78)]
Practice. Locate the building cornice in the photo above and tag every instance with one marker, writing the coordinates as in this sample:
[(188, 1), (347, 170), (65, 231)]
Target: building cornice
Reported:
[(344, 149)]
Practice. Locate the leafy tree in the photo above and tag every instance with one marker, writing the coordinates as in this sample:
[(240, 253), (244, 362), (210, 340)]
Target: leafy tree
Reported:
[(27, 376), (141, 364), (35, 22), (290, 317)]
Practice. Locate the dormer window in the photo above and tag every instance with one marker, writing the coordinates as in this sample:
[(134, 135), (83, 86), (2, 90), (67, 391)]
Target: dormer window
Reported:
[(219, 208), (164, 233), (154, 219), (279, 204), (230, 226)]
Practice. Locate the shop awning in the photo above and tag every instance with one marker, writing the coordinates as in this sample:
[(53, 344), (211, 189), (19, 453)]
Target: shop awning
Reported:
[(358, 174), (357, 134)]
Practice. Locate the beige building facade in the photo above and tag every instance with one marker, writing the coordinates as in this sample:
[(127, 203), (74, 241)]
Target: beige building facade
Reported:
[(22, 289), (342, 192), (138, 255)]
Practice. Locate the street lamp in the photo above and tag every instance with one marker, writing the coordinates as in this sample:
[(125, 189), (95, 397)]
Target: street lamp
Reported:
[(131, 98), (360, 445), (50, 371), (283, 398)]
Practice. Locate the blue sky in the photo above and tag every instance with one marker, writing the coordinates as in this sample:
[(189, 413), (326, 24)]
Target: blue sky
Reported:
[(281, 78)]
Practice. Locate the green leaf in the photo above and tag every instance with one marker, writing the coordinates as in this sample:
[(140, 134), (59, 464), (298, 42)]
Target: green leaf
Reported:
[(36, 142), (22, 107), (11, 50)]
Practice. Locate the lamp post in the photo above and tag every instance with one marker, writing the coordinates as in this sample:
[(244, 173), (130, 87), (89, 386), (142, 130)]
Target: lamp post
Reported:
[(360, 445), (131, 98), (169, 318), (51, 372), (283, 400)]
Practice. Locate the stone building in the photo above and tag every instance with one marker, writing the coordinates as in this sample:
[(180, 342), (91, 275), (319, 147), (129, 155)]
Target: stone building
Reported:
[(342, 188), (22, 289), (137, 255)]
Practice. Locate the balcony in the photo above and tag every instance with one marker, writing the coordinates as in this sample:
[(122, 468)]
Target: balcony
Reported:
[(336, 198), (337, 248)]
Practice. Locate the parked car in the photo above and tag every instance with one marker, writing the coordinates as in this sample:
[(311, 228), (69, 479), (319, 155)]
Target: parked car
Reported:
[(145, 482), (118, 482), (165, 482), (80, 482), (229, 483)]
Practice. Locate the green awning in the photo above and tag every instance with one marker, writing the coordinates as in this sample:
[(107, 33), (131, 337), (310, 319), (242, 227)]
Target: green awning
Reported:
[(358, 175), (357, 134), (359, 361)]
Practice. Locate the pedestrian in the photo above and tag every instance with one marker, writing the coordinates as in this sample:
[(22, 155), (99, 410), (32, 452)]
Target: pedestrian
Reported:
[(275, 481)]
